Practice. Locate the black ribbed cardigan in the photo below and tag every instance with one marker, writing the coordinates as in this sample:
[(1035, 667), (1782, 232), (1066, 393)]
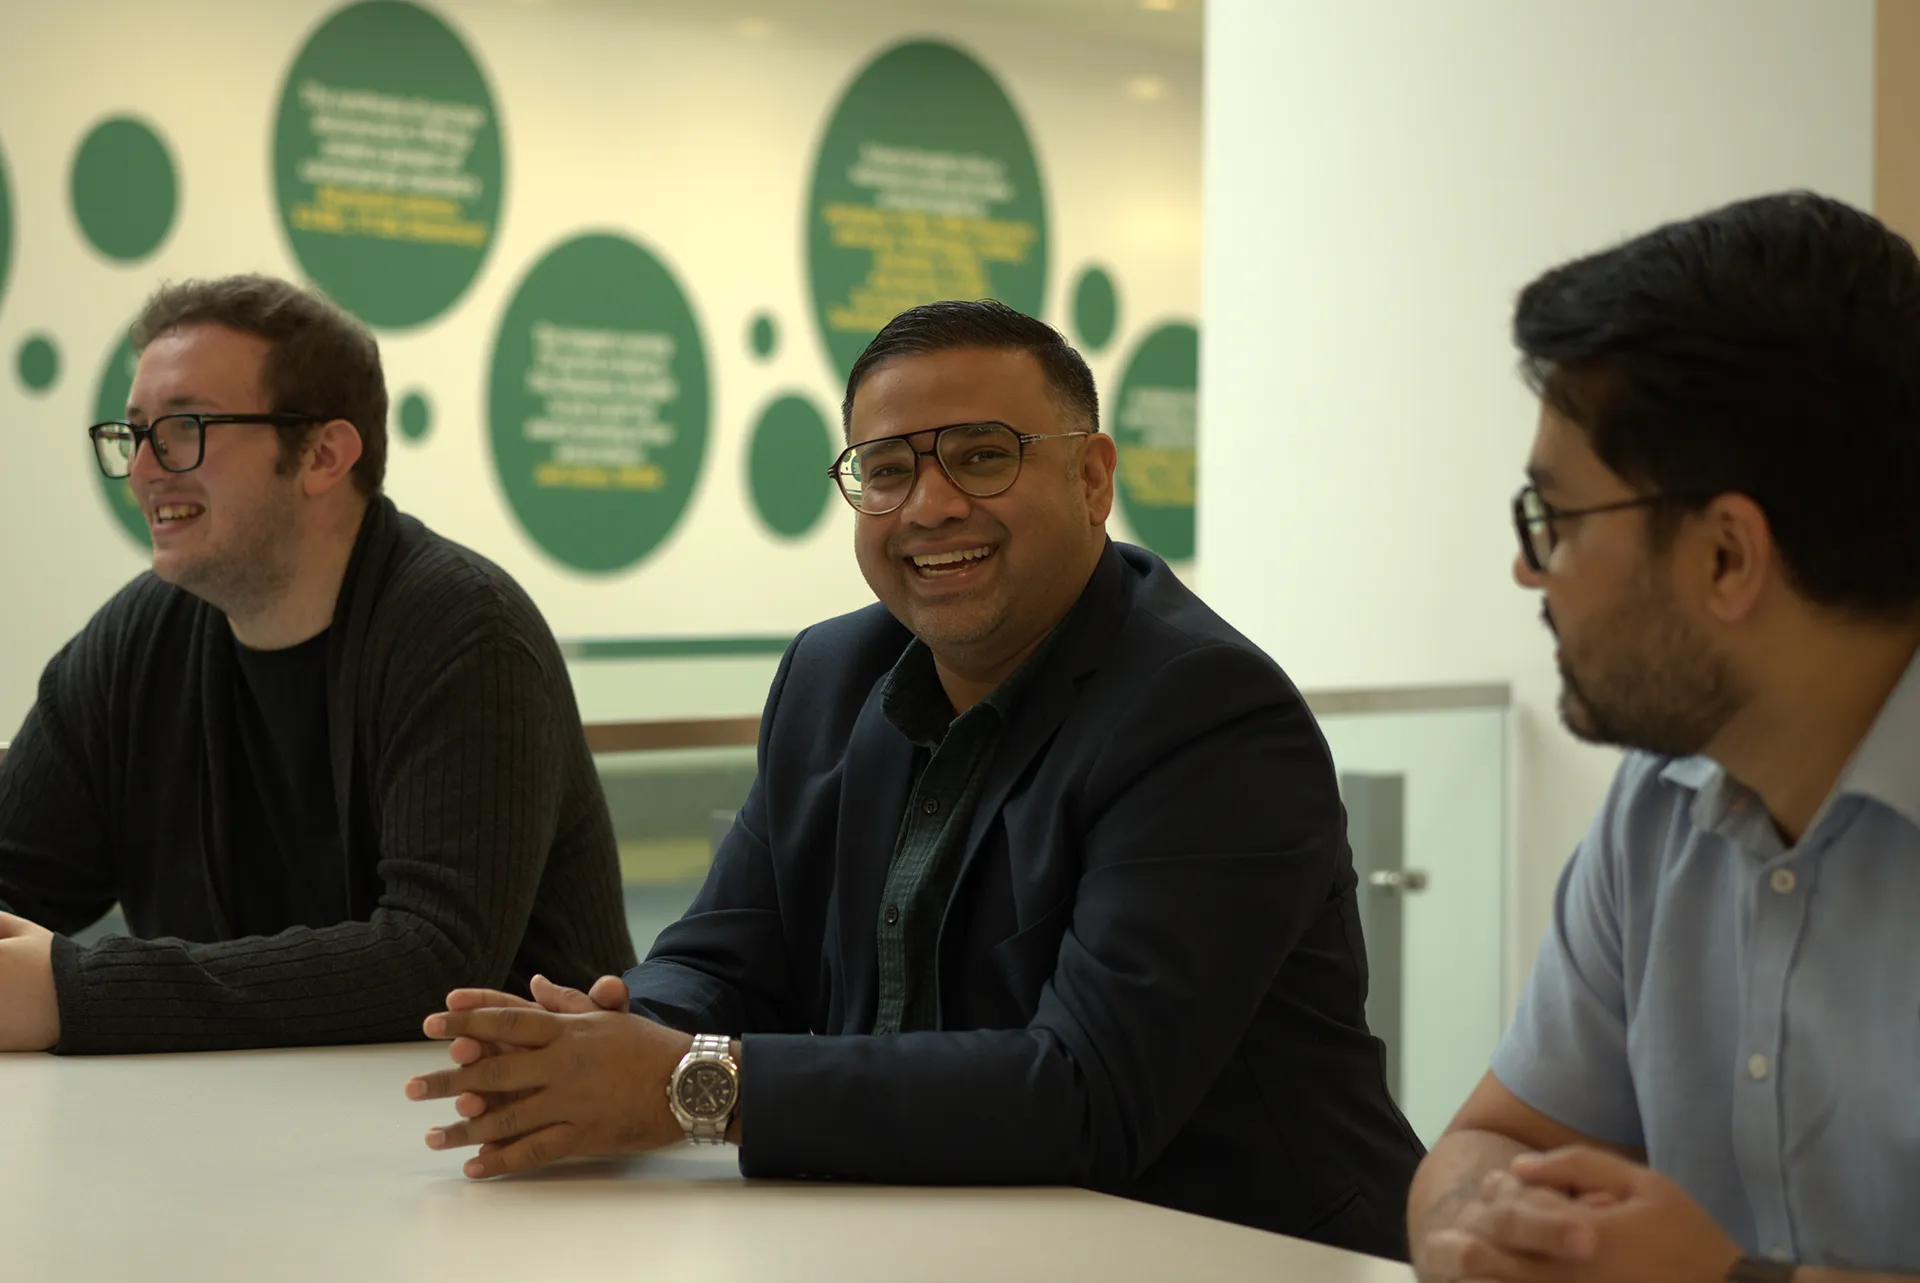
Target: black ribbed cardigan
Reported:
[(478, 845)]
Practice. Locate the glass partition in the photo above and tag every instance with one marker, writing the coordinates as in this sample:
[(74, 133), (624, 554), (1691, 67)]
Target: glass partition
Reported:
[(1426, 803), (670, 806)]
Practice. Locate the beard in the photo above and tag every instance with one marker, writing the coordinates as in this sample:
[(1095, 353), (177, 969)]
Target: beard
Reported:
[(1658, 687), (253, 566)]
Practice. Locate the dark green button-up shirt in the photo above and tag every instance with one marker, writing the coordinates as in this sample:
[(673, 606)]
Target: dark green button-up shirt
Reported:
[(953, 755)]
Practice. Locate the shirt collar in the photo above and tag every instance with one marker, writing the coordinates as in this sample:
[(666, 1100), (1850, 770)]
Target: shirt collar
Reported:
[(1882, 768), (916, 703)]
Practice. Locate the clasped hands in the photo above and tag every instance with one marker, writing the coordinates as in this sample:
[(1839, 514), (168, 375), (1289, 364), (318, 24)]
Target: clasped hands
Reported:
[(568, 1075), (1577, 1215), (29, 1006)]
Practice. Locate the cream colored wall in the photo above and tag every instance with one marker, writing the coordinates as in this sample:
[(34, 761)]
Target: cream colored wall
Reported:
[(689, 128), (1381, 179)]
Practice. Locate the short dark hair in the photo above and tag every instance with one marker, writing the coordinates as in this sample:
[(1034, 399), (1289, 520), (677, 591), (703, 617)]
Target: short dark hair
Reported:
[(323, 362), (986, 323), (1769, 348)]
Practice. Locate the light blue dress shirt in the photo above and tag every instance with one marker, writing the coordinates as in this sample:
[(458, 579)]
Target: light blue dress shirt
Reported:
[(1746, 1012)]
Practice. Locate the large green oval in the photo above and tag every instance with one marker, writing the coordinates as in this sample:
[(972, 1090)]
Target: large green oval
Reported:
[(1155, 427), (387, 162), (925, 188), (598, 403)]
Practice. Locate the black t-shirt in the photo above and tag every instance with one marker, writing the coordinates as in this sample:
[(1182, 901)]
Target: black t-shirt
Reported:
[(289, 868)]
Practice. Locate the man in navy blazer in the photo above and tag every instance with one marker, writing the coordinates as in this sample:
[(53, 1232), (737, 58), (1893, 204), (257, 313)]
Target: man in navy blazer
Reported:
[(1044, 877)]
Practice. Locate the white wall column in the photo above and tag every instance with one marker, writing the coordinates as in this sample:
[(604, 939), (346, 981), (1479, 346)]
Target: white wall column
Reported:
[(1381, 179)]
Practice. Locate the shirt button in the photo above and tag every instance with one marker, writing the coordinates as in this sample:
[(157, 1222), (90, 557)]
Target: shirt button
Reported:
[(893, 914), (1757, 1066), (1782, 1254), (931, 806), (1782, 881)]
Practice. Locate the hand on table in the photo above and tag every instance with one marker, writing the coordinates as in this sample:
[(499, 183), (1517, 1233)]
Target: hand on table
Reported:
[(29, 1009), (536, 1085), (609, 993), (1578, 1215)]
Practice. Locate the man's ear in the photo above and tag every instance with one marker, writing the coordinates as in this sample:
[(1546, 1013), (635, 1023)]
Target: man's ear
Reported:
[(1733, 557), (1094, 469), (329, 456)]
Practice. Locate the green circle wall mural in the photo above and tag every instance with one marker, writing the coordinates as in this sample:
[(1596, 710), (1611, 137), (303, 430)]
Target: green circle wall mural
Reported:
[(38, 363), (415, 416), (925, 188), (1096, 309), (787, 466), (386, 162), (1155, 423), (598, 402), (123, 188), (116, 383), (6, 228), (763, 336)]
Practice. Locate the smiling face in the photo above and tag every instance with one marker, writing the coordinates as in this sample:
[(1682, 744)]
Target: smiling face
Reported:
[(227, 530), (981, 580)]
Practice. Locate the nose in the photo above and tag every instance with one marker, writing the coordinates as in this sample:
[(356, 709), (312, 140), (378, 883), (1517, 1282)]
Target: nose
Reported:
[(1526, 576), (934, 500), (144, 467)]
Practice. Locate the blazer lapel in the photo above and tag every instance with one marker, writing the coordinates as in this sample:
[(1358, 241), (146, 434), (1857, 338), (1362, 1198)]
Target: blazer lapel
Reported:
[(1086, 635)]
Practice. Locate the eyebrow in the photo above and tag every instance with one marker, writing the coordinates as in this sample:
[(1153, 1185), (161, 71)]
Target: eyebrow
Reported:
[(171, 404)]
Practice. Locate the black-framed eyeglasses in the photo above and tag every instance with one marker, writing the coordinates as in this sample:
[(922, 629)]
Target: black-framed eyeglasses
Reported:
[(981, 459), (178, 441), (1533, 519)]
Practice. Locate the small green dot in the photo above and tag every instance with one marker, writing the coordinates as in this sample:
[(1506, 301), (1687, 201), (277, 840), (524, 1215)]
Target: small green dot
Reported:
[(765, 335), (38, 363), (416, 416), (787, 464), (124, 189), (1096, 308)]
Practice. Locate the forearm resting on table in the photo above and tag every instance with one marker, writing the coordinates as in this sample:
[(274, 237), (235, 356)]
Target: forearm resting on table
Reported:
[(1448, 1180)]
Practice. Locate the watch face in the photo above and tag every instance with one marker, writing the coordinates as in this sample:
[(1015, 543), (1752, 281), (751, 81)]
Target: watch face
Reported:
[(705, 1091)]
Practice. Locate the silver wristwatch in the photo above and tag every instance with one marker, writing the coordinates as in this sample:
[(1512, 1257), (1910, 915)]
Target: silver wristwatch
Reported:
[(705, 1089)]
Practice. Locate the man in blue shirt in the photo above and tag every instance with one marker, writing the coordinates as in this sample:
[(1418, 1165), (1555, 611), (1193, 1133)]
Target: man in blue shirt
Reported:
[(1715, 1070)]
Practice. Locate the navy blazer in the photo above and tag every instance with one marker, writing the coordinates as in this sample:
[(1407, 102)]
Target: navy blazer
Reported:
[(1150, 973)]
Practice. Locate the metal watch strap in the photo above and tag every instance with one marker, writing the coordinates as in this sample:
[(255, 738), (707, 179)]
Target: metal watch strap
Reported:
[(710, 1131), (1758, 1269)]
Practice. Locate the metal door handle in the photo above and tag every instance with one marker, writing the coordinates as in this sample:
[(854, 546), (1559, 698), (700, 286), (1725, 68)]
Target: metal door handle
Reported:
[(1398, 880)]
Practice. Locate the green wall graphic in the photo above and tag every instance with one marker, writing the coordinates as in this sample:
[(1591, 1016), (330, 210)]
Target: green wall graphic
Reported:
[(387, 162), (598, 403), (925, 188), (124, 189), (1154, 427), (6, 228), (37, 363), (787, 464), (1096, 309), (116, 382)]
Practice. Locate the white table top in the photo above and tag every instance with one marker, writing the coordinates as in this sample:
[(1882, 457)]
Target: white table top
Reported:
[(297, 1165)]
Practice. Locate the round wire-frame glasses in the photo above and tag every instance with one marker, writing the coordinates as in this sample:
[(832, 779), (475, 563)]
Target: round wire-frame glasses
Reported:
[(980, 459)]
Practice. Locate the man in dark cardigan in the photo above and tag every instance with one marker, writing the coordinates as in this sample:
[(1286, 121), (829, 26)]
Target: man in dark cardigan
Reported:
[(328, 763)]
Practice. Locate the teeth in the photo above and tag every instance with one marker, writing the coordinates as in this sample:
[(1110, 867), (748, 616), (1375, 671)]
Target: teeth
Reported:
[(177, 511), (949, 558)]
